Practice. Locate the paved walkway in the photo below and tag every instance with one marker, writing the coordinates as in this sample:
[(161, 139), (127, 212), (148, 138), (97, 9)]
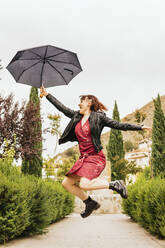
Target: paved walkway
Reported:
[(96, 231)]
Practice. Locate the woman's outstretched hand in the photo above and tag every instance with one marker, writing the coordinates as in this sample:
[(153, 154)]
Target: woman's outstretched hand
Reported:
[(43, 92), (146, 128)]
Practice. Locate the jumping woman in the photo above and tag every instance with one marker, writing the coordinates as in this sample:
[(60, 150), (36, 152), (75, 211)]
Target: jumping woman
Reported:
[(85, 127)]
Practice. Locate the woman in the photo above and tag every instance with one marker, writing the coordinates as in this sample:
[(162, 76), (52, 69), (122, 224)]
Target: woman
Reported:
[(85, 127)]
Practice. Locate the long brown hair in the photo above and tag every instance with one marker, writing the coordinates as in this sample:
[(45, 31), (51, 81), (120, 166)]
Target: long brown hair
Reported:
[(96, 104)]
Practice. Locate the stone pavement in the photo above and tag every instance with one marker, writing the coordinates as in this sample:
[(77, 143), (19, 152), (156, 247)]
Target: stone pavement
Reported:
[(96, 231)]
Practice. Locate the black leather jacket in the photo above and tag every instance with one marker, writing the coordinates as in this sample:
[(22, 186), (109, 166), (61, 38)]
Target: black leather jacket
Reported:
[(97, 121)]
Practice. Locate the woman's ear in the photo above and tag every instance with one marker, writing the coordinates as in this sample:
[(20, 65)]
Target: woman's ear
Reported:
[(89, 102)]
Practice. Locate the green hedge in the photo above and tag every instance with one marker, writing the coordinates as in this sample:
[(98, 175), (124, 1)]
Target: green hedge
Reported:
[(146, 204), (29, 204)]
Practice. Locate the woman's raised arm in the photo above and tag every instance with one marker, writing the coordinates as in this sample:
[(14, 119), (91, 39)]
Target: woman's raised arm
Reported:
[(108, 122), (65, 110)]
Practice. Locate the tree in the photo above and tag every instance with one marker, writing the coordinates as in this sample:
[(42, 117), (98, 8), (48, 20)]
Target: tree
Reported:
[(55, 127), (158, 140), (11, 122), (122, 168), (32, 136), (49, 167), (17, 120), (129, 146), (139, 118), (65, 167), (49, 163), (115, 149)]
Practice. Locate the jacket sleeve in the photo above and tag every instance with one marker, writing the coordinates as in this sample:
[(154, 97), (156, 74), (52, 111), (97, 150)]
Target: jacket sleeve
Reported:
[(65, 110), (108, 122)]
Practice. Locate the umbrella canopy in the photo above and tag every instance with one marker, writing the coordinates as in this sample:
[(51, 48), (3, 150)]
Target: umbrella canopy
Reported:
[(46, 65)]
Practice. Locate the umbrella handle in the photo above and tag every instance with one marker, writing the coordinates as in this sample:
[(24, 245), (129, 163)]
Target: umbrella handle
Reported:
[(41, 94)]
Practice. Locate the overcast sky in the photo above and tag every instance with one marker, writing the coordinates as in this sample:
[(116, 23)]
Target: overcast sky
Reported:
[(120, 46)]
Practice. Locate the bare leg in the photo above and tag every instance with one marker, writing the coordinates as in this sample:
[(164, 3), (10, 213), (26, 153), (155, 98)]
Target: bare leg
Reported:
[(97, 183), (68, 184), (93, 184)]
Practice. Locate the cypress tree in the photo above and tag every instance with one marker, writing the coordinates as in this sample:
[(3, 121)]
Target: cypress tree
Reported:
[(158, 140), (32, 162), (115, 147)]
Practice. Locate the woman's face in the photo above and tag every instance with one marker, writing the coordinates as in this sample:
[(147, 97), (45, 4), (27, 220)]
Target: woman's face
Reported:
[(84, 105)]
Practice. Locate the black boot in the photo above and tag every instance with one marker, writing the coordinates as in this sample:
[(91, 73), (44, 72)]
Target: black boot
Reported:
[(119, 187), (90, 206)]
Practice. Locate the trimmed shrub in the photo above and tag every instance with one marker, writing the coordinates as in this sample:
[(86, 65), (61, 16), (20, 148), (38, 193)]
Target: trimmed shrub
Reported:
[(28, 204), (146, 203), (14, 212)]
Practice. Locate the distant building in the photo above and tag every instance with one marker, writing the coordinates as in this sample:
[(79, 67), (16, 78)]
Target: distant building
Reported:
[(141, 156), (145, 144)]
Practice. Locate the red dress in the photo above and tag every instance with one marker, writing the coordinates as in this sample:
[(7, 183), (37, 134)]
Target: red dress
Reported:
[(90, 164)]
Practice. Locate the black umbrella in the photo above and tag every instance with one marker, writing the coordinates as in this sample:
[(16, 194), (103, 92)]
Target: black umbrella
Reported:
[(46, 65)]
